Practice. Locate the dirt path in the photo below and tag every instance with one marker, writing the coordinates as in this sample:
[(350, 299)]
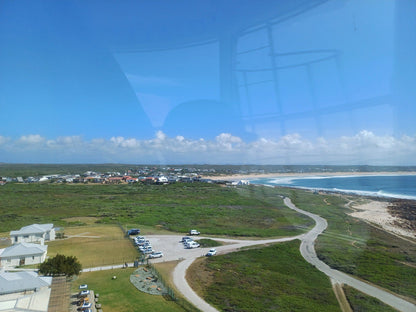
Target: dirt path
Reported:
[(342, 299)]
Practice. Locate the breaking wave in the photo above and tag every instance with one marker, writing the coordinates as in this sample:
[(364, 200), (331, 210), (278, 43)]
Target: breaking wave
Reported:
[(388, 186)]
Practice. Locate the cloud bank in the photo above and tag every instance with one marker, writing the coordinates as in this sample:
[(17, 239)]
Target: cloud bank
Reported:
[(363, 148)]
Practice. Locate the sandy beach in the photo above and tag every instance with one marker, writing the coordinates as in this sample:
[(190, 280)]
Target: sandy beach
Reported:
[(238, 177), (372, 211), (376, 212)]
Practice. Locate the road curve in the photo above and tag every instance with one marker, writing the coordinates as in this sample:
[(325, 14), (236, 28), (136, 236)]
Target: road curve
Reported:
[(307, 249), (175, 251), (179, 272)]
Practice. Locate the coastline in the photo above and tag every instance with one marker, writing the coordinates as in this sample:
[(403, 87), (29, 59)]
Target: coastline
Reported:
[(377, 212), (237, 177), (374, 210)]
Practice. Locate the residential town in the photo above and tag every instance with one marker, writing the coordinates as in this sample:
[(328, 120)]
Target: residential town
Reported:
[(146, 175)]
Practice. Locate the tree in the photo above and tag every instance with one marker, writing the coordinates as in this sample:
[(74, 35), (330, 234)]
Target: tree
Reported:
[(60, 265)]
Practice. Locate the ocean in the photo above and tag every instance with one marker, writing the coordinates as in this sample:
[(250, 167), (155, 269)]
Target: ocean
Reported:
[(392, 186)]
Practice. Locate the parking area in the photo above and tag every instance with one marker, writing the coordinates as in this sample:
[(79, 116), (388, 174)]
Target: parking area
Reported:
[(172, 248)]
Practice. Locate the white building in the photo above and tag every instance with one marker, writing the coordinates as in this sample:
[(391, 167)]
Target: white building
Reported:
[(162, 179), (35, 233), (24, 291), (23, 254), (241, 182)]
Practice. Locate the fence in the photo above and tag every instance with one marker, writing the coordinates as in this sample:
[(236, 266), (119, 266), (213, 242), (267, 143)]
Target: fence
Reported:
[(169, 293)]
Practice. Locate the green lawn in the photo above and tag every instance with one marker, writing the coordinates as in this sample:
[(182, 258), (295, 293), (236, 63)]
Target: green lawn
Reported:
[(120, 295), (274, 278), (95, 245)]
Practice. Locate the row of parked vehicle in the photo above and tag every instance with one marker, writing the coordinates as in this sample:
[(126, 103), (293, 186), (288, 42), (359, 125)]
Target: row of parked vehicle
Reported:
[(84, 303), (189, 243), (146, 248)]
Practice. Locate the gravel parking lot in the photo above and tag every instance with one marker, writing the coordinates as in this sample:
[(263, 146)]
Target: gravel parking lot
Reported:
[(172, 248)]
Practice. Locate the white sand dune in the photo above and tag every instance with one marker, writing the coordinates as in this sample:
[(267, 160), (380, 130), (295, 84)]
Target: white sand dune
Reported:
[(376, 212)]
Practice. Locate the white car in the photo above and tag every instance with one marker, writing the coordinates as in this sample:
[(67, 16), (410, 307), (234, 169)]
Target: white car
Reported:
[(187, 241), (83, 293), (211, 252), (194, 232), (185, 238), (148, 250), (86, 305), (192, 245), (157, 254)]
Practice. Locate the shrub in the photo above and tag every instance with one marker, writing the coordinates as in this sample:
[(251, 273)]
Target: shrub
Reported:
[(60, 265)]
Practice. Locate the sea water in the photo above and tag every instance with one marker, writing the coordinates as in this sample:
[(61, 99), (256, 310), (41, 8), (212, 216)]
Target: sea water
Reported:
[(396, 186)]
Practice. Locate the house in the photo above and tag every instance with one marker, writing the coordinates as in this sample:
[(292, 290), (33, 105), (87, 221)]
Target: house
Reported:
[(115, 180), (162, 180), (35, 233), (131, 180), (149, 180), (241, 182), (23, 254), (24, 291)]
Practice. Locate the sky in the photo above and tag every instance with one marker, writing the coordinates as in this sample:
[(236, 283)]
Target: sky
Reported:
[(208, 82)]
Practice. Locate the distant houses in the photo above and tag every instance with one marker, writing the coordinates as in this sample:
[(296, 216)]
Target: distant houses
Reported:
[(35, 233)]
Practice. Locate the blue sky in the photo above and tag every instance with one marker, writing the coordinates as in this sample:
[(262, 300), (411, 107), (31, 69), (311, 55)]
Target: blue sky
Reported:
[(267, 82)]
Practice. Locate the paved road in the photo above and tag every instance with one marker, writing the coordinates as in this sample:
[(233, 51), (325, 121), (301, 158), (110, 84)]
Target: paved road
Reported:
[(179, 272), (307, 249), (174, 250)]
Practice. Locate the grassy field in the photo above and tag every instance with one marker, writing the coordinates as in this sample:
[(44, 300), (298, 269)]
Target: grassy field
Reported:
[(120, 295), (357, 248), (210, 208), (95, 245), (361, 302), (274, 278), (207, 242), (348, 244)]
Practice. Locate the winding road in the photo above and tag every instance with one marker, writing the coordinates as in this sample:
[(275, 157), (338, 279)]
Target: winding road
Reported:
[(174, 250), (307, 249)]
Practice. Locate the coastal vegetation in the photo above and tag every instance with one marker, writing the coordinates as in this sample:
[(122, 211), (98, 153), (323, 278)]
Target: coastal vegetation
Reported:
[(358, 248), (361, 302), (212, 208), (274, 278), (207, 242), (93, 219)]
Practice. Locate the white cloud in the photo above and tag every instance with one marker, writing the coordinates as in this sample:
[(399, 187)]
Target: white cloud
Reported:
[(363, 148), (30, 139)]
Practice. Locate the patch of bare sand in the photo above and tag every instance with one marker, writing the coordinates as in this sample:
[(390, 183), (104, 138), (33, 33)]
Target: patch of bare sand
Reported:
[(376, 212)]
